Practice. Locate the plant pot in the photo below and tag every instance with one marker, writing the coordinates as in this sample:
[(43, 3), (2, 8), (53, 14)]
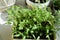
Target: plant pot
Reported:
[(20, 3), (39, 5), (54, 38), (5, 30), (3, 18), (6, 4), (30, 39)]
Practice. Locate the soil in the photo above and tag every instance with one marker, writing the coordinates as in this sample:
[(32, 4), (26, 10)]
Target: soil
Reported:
[(43, 36), (41, 1), (36, 35)]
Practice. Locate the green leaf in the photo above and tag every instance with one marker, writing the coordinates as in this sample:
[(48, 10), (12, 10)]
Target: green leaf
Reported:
[(38, 38), (47, 29), (17, 35), (20, 28), (24, 38)]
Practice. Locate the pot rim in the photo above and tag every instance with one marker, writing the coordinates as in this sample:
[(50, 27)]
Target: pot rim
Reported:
[(8, 5), (38, 4)]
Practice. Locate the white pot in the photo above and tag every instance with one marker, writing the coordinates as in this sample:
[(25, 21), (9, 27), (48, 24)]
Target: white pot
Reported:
[(30, 39), (3, 17), (5, 30), (20, 3), (4, 4), (39, 5)]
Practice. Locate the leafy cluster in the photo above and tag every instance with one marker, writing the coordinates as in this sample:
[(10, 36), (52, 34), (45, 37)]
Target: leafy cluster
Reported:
[(56, 4), (31, 24)]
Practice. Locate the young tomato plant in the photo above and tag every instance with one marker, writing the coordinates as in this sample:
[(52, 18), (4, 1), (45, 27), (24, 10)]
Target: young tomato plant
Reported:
[(31, 24)]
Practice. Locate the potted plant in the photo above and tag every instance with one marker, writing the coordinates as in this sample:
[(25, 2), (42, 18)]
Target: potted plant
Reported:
[(37, 3), (56, 4), (57, 24), (31, 24)]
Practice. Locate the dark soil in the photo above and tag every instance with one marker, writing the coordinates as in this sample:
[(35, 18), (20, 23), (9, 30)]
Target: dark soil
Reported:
[(43, 36), (36, 35), (41, 1)]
